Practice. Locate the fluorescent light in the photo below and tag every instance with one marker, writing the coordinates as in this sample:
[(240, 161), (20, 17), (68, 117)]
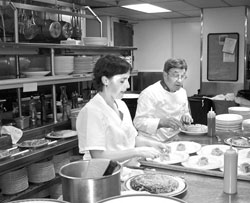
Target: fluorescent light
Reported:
[(147, 8)]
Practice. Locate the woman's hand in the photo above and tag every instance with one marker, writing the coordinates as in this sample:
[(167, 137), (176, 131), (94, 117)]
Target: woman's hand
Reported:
[(147, 152)]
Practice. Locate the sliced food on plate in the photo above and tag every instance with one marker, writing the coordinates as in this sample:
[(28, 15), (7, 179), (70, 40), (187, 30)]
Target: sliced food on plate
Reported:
[(184, 146), (157, 183), (62, 134), (204, 162), (238, 141), (34, 143)]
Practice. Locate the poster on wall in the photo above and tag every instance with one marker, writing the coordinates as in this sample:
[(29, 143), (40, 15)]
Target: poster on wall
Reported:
[(222, 56)]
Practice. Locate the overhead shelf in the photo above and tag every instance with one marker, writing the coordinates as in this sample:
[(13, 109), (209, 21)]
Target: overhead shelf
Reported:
[(63, 46), (47, 80)]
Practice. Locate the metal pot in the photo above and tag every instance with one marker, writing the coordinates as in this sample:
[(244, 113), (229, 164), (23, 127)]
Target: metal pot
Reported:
[(41, 200), (67, 30), (51, 29), (79, 189)]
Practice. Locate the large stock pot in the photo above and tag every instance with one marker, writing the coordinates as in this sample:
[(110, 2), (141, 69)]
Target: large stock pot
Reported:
[(79, 189)]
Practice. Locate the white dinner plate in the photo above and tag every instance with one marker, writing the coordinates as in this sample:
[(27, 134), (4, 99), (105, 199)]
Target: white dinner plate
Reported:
[(242, 154), (213, 162), (35, 74), (190, 147), (62, 134), (239, 172), (174, 158), (201, 129), (208, 149), (145, 198), (182, 185)]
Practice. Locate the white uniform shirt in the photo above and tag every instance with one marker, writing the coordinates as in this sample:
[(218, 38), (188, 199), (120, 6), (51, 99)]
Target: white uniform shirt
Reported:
[(154, 103), (100, 128)]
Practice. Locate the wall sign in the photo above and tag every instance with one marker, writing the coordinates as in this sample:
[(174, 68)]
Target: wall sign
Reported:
[(222, 56)]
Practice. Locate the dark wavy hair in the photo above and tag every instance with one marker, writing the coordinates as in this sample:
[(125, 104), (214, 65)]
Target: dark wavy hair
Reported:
[(175, 63), (109, 66)]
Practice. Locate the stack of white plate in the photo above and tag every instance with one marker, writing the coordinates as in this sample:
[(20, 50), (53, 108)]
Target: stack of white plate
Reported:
[(14, 182), (83, 64), (95, 41), (229, 122), (64, 65), (241, 110)]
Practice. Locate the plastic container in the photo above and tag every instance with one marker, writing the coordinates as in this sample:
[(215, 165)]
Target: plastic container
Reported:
[(230, 171), (211, 123)]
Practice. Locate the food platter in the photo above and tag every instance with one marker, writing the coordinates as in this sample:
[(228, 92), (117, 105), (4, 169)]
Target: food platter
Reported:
[(195, 129), (187, 146), (157, 183), (198, 163), (172, 158), (145, 198), (238, 142), (34, 143), (62, 134)]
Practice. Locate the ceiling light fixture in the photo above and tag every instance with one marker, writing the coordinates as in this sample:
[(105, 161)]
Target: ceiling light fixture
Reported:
[(146, 8)]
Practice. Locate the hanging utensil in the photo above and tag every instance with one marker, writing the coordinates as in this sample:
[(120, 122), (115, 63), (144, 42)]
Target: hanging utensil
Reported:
[(31, 29)]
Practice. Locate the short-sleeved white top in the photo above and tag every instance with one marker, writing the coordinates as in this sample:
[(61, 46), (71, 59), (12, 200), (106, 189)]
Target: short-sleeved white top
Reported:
[(100, 128)]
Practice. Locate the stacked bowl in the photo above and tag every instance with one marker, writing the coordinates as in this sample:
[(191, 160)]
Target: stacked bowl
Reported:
[(241, 110)]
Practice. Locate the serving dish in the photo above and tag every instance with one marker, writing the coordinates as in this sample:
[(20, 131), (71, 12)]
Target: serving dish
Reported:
[(34, 143), (157, 183), (62, 134)]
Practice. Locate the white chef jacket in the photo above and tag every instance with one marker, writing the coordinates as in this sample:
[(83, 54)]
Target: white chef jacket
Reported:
[(154, 103), (100, 128)]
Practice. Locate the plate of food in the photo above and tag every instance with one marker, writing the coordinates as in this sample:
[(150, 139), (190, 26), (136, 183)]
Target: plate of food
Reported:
[(244, 154), (184, 146), (170, 158), (195, 129), (4, 154), (34, 143), (238, 142), (157, 183), (217, 150), (62, 134), (203, 162), (243, 168)]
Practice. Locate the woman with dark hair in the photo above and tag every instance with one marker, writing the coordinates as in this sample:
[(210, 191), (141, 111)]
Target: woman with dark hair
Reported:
[(104, 124)]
